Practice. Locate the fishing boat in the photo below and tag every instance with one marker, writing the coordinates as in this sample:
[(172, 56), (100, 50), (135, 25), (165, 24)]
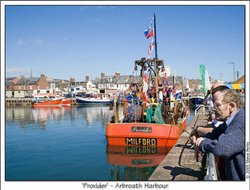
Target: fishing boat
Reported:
[(153, 113), (47, 102), (94, 99), (139, 133)]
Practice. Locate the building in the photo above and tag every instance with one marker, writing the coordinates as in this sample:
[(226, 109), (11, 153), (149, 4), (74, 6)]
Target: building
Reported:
[(30, 87), (115, 83)]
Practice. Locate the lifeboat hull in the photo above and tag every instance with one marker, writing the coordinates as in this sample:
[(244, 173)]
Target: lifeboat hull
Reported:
[(52, 103), (66, 102), (144, 134)]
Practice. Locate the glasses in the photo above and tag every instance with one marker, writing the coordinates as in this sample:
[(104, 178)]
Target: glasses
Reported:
[(217, 105)]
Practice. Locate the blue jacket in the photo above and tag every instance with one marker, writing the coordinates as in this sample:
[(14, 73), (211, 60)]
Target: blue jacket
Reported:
[(229, 142)]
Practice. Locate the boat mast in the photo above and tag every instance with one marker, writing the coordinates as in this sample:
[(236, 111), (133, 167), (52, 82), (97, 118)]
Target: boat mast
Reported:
[(156, 56), (155, 61)]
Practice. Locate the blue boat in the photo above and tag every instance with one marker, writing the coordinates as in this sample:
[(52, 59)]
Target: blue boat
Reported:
[(196, 100)]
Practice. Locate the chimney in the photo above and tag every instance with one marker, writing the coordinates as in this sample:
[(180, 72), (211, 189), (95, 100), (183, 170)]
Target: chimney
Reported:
[(117, 75), (72, 80), (102, 75), (87, 78)]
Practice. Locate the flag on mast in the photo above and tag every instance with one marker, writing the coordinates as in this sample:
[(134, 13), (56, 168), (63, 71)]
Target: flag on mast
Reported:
[(151, 46), (149, 32), (145, 87)]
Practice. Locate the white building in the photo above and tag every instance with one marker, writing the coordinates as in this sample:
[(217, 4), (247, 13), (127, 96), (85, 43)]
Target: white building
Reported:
[(76, 89)]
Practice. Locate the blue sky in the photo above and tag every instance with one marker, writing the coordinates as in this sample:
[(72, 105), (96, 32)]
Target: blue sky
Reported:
[(75, 41)]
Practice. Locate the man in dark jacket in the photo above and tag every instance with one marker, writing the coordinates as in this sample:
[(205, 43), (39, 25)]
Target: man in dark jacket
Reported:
[(228, 139)]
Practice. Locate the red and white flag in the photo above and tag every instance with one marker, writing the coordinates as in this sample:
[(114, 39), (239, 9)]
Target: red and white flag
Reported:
[(151, 46), (145, 87)]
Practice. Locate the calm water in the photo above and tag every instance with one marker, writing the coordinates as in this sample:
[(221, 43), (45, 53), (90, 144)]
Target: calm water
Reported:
[(70, 144)]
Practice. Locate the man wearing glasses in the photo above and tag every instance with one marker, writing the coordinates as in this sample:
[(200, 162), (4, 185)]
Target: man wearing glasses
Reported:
[(227, 140)]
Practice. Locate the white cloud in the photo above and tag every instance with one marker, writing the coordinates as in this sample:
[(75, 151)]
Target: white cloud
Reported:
[(19, 43), (37, 41), (17, 70)]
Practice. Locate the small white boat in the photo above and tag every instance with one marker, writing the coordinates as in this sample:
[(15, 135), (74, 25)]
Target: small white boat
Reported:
[(94, 99)]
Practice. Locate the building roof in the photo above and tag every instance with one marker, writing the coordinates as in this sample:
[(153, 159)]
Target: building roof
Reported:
[(134, 79), (12, 79), (8, 83), (122, 80), (28, 81)]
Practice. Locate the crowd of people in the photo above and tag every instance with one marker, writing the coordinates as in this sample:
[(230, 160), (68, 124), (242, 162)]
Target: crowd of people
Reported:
[(225, 134)]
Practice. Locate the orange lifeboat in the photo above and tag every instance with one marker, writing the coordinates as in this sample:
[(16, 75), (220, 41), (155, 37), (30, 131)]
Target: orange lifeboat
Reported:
[(52, 102), (66, 102)]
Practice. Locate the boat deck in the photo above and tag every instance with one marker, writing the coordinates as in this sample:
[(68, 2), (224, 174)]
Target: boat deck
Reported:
[(180, 163)]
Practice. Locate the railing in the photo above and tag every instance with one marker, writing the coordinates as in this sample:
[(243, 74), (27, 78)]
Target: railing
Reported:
[(212, 173), (198, 109)]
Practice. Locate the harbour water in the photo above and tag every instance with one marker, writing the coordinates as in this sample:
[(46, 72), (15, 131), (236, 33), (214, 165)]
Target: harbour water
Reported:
[(69, 143)]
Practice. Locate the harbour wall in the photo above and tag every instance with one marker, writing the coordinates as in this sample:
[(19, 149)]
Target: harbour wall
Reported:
[(23, 101), (18, 102), (181, 164)]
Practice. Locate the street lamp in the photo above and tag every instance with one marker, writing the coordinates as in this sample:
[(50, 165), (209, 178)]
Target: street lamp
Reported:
[(233, 69), (237, 74)]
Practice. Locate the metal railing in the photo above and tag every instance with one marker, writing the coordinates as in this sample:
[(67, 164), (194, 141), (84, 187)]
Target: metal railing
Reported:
[(212, 173), (198, 109)]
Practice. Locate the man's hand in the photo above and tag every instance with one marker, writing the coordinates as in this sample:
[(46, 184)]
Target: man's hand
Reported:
[(198, 141)]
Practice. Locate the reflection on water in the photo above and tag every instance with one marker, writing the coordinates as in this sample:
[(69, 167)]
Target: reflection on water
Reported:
[(95, 113), (135, 162), (59, 143), (69, 143), (24, 116)]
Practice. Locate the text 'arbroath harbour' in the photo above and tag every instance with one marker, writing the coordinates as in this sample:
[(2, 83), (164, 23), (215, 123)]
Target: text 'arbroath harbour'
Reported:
[(142, 185)]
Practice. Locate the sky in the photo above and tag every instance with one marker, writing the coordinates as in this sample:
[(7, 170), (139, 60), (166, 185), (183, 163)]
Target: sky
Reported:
[(78, 41)]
